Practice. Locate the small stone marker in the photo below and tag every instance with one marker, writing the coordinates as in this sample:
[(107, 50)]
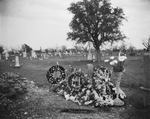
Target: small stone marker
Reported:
[(90, 67), (94, 57), (17, 65), (89, 56), (24, 54), (6, 55), (33, 54)]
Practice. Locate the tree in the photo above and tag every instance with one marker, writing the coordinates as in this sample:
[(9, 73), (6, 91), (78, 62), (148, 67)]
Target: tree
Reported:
[(1, 49), (26, 48), (123, 46), (46, 51), (131, 48), (146, 44), (95, 21), (63, 48)]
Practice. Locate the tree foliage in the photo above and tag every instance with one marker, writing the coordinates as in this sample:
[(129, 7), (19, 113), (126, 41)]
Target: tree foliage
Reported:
[(146, 44), (26, 48), (1, 49), (95, 21)]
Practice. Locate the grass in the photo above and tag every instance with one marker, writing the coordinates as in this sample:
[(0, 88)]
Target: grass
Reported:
[(42, 105)]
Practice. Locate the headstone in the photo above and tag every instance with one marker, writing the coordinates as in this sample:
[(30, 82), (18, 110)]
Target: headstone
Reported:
[(94, 57), (24, 54), (33, 54), (41, 56), (17, 61), (70, 53), (6, 56), (60, 54), (89, 56), (90, 67)]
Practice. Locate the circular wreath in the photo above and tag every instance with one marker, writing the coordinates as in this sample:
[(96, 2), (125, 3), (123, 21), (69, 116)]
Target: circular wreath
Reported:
[(76, 81), (55, 74)]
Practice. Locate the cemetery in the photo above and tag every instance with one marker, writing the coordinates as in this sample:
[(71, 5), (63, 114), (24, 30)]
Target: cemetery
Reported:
[(57, 87), (78, 59)]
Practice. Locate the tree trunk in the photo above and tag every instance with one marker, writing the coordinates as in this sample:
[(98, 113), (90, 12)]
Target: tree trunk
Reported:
[(98, 55)]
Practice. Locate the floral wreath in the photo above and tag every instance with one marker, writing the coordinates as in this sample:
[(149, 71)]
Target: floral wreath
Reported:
[(76, 81), (55, 74), (102, 73)]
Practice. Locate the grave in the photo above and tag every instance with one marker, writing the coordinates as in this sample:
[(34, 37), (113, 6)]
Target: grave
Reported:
[(94, 57), (78, 87), (89, 56), (24, 54), (17, 65), (33, 54), (6, 55)]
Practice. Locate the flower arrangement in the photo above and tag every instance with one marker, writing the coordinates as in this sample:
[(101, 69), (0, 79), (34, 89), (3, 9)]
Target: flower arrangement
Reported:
[(78, 87), (118, 63), (55, 74)]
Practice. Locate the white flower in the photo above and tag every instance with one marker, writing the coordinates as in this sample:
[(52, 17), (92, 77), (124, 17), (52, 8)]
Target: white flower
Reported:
[(122, 58), (113, 62), (106, 60), (67, 96), (112, 57)]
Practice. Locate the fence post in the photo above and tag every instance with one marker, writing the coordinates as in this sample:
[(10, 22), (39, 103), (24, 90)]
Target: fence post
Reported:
[(147, 69), (147, 77)]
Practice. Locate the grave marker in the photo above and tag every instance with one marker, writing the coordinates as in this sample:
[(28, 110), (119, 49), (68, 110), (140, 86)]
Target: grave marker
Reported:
[(89, 56), (17, 61), (24, 54), (33, 54), (94, 57), (6, 55)]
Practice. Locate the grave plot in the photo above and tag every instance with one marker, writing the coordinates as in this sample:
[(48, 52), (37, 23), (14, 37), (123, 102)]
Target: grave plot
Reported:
[(79, 88)]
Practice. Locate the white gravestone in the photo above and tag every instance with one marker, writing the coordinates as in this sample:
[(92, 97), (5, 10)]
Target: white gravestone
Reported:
[(33, 54), (6, 55), (17, 61), (94, 57), (25, 54), (89, 56)]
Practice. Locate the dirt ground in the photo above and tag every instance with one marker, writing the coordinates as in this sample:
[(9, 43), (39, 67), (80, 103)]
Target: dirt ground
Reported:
[(39, 103)]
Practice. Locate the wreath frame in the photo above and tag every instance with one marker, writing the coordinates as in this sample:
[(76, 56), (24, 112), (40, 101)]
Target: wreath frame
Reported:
[(56, 68), (75, 75)]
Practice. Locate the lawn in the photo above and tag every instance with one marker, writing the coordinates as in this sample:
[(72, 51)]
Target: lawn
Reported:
[(42, 104)]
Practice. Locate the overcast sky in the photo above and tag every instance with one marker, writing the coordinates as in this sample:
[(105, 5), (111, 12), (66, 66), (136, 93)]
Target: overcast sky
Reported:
[(45, 23)]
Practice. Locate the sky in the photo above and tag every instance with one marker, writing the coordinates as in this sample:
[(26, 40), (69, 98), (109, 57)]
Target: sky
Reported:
[(45, 23)]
